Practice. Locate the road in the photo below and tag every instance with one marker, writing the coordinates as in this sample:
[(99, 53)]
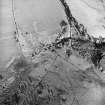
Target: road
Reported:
[(8, 47)]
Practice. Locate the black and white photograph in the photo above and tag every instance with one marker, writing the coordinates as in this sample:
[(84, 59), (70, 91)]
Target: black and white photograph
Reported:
[(52, 52)]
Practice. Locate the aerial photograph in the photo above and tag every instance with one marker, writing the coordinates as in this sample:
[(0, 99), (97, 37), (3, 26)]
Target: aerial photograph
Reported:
[(52, 52)]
